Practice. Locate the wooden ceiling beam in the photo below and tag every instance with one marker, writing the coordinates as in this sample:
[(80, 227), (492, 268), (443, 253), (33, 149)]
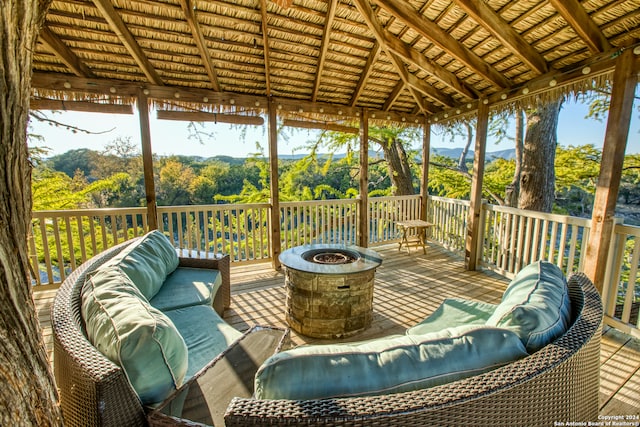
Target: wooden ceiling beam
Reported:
[(393, 96), (85, 106), (510, 38), (409, 79), (120, 29), (196, 31), (202, 116), (265, 46), (63, 53), (324, 47), (431, 31), (578, 18), (368, 67), (320, 126)]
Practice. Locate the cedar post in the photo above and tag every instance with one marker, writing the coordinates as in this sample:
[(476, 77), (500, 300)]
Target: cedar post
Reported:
[(615, 143), (424, 184), (473, 222), (363, 212), (276, 247), (147, 161)]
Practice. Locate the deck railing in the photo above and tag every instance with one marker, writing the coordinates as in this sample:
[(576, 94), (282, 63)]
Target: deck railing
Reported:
[(510, 238)]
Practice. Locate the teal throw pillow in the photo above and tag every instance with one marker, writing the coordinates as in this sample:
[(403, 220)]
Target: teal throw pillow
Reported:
[(122, 325), (147, 262), (387, 365), (535, 305)]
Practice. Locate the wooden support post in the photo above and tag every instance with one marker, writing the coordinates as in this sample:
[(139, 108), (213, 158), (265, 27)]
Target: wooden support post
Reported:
[(424, 184), (363, 212), (473, 222), (276, 246), (615, 142), (147, 161)]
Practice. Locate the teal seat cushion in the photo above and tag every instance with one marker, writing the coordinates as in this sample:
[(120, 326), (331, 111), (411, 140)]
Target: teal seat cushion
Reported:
[(454, 312), (387, 365), (186, 287), (122, 325), (147, 262), (535, 305), (205, 334)]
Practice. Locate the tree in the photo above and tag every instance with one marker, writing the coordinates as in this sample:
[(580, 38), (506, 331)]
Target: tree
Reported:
[(537, 178), (28, 393)]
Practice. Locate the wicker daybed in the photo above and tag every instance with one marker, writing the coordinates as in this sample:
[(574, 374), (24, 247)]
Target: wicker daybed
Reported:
[(558, 383)]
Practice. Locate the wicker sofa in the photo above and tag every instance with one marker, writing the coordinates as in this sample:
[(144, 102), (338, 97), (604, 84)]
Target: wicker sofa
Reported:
[(94, 390), (558, 383)]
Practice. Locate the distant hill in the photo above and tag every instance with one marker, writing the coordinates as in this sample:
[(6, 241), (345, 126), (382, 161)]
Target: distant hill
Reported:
[(454, 153)]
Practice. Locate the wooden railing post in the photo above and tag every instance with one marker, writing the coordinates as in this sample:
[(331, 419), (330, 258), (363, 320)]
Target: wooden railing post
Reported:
[(625, 80), (274, 212), (147, 161), (424, 183), (473, 223), (363, 212)]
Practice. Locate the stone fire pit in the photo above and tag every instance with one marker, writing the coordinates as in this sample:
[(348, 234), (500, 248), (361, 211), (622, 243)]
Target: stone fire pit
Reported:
[(329, 289)]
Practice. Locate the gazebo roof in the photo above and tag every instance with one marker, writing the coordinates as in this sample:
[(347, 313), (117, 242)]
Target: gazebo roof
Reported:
[(328, 59)]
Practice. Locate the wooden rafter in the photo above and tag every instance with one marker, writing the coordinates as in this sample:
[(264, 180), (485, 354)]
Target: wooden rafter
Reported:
[(371, 59), (64, 54), (91, 107), (265, 47), (416, 58), (326, 35), (409, 79), (201, 116), (428, 29), (198, 38), (578, 18), (501, 30), (120, 29), (393, 96)]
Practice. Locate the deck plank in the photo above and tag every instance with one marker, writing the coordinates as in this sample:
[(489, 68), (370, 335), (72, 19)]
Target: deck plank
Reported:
[(407, 289)]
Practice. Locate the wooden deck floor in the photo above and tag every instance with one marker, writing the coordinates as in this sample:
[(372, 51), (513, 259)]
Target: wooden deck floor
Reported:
[(407, 289)]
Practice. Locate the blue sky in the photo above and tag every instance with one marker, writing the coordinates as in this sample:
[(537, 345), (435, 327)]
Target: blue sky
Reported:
[(172, 137)]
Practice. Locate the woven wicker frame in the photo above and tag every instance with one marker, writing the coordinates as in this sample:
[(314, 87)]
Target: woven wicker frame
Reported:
[(93, 390), (558, 383)]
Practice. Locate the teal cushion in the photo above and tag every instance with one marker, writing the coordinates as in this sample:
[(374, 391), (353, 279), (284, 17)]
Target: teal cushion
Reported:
[(204, 332), (535, 305), (122, 325), (186, 287), (454, 312), (147, 262), (387, 365)]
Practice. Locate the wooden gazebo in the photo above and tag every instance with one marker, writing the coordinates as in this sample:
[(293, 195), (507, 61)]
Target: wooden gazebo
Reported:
[(341, 64)]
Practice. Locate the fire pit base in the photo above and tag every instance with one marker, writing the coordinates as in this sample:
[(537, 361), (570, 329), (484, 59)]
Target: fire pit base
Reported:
[(329, 300)]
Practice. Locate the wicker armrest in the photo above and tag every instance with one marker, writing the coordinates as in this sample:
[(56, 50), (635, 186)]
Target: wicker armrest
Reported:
[(220, 263)]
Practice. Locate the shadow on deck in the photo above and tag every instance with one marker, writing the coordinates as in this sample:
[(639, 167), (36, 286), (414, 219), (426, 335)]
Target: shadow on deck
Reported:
[(407, 289)]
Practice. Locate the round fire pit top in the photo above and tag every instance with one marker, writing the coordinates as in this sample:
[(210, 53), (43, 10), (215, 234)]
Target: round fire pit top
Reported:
[(330, 259)]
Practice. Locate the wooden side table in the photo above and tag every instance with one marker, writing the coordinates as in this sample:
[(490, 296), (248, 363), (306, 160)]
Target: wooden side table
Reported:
[(203, 400), (420, 226)]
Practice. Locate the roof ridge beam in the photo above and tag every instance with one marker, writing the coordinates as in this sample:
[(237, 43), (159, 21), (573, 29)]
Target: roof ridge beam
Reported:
[(198, 37), (64, 53), (578, 18), (509, 37), (444, 40), (324, 46), (120, 29)]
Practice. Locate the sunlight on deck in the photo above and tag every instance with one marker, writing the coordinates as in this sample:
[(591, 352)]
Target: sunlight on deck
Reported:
[(407, 289)]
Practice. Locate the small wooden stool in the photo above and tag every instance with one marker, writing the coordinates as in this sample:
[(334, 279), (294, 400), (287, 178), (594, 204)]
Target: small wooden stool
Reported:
[(420, 226)]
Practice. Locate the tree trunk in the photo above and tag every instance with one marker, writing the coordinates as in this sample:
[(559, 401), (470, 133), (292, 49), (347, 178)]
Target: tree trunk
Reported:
[(537, 180), (512, 191), (27, 394), (462, 160), (399, 169)]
